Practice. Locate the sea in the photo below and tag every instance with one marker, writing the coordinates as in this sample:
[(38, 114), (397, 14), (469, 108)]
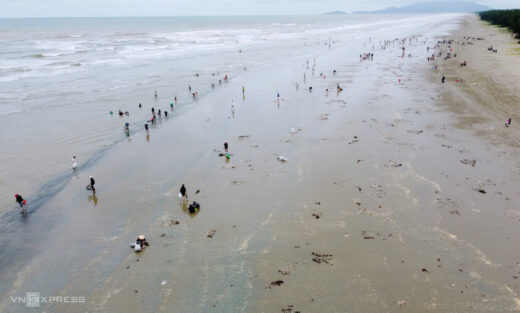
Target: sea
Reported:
[(64, 80)]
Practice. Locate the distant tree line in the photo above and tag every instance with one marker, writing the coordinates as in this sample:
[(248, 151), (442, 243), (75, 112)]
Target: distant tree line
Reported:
[(504, 18)]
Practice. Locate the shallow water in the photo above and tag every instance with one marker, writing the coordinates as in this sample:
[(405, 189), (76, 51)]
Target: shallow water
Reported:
[(61, 78)]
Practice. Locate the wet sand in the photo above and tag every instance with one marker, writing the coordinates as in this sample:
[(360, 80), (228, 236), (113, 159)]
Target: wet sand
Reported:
[(373, 212)]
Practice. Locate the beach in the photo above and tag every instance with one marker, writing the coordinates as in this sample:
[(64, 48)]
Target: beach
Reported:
[(399, 193)]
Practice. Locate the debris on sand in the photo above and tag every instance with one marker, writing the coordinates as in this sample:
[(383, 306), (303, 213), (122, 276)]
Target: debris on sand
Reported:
[(243, 137), (324, 116), (237, 182), (359, 161), (393, 164), (468, 162), (289, 309), (454, 212), (322, 258), (367, 234), (362, 211), (401, 303), (317, 216), (318, 203), (338, 101), (280, 158), (171, 222), (425, 270), (417, 132), (211, 233), (197, 192), (284, 272), (162, 235), (481, 191), (275, 283)]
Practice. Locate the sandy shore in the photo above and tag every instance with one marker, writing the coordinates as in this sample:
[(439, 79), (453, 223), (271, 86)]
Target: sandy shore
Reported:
[(378, 209)]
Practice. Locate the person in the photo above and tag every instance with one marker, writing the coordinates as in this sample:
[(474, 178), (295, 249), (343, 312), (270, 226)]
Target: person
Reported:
[(127, 127), (20, 200), (183, 192), (194, 207), (233, 106), (121, 113), (243, 90), (166, 113), (508, 123), (156, 94), (443, 79), (92, 182), (159, 112), (226, 147), (74, 163), (171, 106), (146, 128), (140, 106), (140, 243)]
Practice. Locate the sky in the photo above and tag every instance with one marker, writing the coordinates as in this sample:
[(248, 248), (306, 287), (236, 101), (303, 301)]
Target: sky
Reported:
[(75, 8)]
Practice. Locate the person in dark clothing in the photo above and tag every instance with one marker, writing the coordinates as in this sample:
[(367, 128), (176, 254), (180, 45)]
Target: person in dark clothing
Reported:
[(226, 146), (146, 127), (20, 200), (92, 182), (140, 243), (194, 207), (443, 79), (183, 192)]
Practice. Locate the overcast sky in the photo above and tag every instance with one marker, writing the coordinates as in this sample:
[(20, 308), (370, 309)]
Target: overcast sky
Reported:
[(63, 8)]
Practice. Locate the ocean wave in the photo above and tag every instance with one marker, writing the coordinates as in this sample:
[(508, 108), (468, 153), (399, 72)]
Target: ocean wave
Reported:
[(284, 24)]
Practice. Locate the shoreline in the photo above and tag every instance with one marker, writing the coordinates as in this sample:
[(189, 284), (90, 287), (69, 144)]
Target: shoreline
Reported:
[(372, 211)]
